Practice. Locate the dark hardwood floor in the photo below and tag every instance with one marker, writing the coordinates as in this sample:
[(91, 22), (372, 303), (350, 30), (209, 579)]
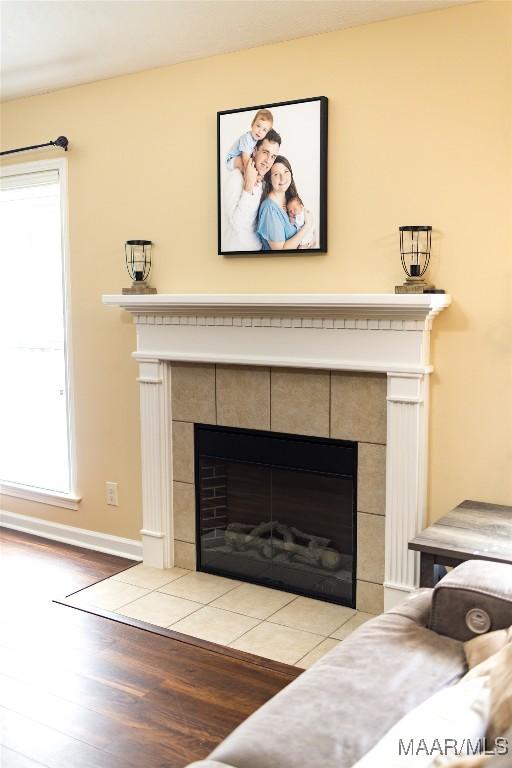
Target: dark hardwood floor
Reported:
[(82, 691)]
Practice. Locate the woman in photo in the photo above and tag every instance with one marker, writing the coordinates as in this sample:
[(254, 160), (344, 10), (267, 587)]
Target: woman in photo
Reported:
[(276, 228)]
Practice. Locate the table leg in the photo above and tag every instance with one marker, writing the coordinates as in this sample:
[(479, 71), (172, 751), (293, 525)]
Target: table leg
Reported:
[(427, 577)]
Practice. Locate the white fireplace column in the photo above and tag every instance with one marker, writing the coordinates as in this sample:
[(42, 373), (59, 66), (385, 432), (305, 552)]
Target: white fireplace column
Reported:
[(156, 532), (381, 333), (406, 477)]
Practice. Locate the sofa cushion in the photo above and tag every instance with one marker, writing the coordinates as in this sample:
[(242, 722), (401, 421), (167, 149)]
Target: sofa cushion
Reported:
[(472, 599), (332, 714)]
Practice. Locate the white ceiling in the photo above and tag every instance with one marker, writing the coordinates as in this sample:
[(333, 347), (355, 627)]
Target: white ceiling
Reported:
[(51, 44)]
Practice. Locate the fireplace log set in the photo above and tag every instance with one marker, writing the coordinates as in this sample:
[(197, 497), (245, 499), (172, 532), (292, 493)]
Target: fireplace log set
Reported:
[(271, 538)]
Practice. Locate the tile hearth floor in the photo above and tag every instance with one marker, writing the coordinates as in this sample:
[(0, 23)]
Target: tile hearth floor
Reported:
[(266, 622)]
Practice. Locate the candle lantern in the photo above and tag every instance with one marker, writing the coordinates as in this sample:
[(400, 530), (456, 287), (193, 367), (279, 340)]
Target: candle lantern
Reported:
[(415, 243), (138, 264)]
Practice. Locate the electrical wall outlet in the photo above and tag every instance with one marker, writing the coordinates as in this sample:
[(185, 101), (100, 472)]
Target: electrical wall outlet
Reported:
[(111, 494)]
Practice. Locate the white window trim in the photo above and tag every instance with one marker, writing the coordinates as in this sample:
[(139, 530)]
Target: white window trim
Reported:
[(70, 500), (40, 495)]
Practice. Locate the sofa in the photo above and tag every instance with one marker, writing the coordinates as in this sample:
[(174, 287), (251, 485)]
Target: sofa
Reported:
[(335, 712)]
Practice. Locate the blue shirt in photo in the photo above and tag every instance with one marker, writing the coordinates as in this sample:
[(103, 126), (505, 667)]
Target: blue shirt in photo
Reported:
[(273, 224), (245, 143)]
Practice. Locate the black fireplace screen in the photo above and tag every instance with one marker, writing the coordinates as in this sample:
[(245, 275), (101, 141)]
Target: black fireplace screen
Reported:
[(277, 510)]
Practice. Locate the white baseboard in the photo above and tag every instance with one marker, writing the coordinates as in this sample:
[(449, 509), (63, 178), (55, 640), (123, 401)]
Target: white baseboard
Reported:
[(68, 534)]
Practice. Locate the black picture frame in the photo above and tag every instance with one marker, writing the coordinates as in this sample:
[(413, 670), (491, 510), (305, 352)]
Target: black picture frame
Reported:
[(237, 210)]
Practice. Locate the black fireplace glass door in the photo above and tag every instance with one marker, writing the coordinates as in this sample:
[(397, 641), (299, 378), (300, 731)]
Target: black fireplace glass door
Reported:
[(280, 526)]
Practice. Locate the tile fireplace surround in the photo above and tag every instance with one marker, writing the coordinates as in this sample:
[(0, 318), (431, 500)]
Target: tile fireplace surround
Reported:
[(349, 366)]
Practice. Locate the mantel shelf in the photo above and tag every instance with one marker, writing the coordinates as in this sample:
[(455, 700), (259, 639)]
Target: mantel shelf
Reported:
[(368, 305)]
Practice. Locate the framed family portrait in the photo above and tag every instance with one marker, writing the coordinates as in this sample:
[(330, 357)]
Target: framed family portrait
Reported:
[(272, 178)]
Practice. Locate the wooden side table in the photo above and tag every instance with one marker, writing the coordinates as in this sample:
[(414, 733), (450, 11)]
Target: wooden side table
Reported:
[(472, 531)]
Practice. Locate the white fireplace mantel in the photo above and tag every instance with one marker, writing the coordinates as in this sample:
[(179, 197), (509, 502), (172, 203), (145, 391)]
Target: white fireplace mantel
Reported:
[(365, 332), (384, 333)]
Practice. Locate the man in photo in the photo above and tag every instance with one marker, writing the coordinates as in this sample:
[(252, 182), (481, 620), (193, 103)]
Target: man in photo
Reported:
[(242, 196)]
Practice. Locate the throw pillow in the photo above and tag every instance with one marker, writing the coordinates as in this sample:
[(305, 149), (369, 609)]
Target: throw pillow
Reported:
[(502, 758), (460, 712), (498, 670), (481, 647), (473, 761)]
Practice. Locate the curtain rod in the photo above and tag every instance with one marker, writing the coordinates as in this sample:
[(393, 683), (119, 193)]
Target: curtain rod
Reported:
[(61, 141)]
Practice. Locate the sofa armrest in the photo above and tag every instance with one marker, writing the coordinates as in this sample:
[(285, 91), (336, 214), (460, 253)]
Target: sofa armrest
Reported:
[(376, 675), (474, 598)]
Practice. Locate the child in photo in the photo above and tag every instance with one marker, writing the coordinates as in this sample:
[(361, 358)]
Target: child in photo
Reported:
[(297, 216), (239, 154)]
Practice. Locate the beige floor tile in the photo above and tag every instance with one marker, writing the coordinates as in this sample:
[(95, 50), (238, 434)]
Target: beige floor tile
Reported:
[(309, 659), (275, 642), (312, 615), (201, 587), (109, 594), (254, 601), (215, 625), (150, 578), (157, 608), (353, 623)]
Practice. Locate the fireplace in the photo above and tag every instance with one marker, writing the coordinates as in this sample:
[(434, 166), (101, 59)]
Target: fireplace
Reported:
[(277, 509), (378, 339)]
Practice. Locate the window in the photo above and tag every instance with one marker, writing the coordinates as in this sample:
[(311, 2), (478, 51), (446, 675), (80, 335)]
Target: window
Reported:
[(35, 420)]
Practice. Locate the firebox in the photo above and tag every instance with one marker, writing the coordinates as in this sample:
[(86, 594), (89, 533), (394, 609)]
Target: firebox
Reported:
[(277, 510)]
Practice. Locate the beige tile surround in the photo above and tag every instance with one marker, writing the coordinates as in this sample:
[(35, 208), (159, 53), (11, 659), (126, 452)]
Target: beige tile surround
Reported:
[(337, 404), (265, 622)]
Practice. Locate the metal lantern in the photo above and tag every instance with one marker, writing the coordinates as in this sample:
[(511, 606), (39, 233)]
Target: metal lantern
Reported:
[(138, 259), (138, 264), (415, 244)]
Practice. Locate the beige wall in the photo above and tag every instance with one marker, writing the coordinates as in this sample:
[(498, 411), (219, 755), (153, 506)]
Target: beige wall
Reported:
[(419, 132)]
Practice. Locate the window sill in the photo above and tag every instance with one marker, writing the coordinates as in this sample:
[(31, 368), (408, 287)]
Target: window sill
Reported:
[(52, 498)]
